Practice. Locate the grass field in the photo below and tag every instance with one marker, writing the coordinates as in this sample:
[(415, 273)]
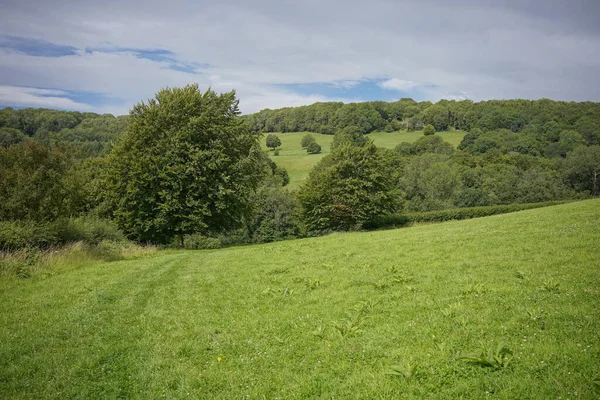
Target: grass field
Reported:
[(298, 163), (386, 314)]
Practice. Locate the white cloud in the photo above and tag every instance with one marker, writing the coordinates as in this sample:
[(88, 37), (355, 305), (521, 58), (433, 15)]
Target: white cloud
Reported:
[(34, 97), (467, 47), (398, 84)]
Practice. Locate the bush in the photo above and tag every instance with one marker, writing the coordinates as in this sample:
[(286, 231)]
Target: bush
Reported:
[(23, 234), (276, 152), (107, 250), (199, 242), (88, 229), (399, 220), (313, 148), (306, 140), (428, 130)]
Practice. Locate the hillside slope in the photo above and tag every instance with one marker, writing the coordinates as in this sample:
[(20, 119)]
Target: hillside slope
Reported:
[(363, 315), (298, 163)]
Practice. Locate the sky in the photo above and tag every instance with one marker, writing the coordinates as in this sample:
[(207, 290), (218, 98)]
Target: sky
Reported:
[(105, 56)]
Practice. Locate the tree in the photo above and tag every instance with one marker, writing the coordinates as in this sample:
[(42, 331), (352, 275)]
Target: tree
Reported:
[(428, 130), (273, 141), (306, 140), (10, 136), (313, 148), (33, 182), (186, 164), (350, 135), (582, 169), (347, 188)]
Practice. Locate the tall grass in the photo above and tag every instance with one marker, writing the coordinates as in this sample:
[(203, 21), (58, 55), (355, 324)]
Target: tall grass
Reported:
[(29, 262)]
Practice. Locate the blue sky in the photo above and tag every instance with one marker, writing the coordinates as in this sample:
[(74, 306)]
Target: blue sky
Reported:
[(106, 56)]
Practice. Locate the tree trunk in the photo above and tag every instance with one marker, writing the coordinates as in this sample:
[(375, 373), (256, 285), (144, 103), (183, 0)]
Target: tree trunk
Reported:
[(180, 240), (595, 183)]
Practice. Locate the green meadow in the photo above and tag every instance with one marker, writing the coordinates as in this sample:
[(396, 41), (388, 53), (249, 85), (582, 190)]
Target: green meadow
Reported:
[(298, 163), (502, 307)]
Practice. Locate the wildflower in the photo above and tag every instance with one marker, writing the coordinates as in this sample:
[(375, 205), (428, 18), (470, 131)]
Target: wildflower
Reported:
[(219, 358)]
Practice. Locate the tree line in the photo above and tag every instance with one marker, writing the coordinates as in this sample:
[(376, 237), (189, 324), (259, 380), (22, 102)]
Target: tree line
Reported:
[(184, 168), (513, 115)]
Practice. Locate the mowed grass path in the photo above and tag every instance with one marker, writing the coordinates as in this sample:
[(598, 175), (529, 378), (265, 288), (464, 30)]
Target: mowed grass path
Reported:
[(298, 163), (266, 321)]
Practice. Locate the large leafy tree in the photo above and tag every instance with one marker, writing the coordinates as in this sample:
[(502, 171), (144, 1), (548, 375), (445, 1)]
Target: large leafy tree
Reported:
[(348, 188), (186, 164)]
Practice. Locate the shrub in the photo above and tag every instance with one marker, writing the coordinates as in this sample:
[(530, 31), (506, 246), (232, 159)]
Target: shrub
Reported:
[(313, 148), (22, 234), (428, 130), (107, 250), (200, 242), (306, 140), (276, 152), (88, 229), (399, 220)]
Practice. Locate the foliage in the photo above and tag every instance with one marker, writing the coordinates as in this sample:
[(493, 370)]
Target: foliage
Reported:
[(428, 130), (34, 234), (313, 148), (426, 144), (33, 182), (495, 357), (186, 165), (200, 242), (273, 141), (275, 216), (347, 188), (349, 136), (399, 220), (582, 169), (306, 140), (10, 136)]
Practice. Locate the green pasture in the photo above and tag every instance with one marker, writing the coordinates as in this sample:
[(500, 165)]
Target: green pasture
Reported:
[(298, 163), (502, 307)]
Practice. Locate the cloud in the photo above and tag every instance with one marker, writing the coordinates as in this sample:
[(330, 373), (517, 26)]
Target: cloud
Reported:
[(35, 47), (398, 84), (35, 97), (271, 52)]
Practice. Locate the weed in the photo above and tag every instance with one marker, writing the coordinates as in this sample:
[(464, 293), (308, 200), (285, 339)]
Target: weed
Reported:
[(490, 356), (320, 331), (278, 270), (522, 275), (392, 269), (381, 284), (313, 284), (476, 289), (551, 286), (406, 370)]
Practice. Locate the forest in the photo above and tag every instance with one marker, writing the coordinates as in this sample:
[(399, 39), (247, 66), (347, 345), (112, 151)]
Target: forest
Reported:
[(185, 169)]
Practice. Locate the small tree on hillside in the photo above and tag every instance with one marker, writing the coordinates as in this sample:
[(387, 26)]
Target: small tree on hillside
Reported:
[(428, 130), (273, 141), (306, 140), (313, 148), (347, 188)]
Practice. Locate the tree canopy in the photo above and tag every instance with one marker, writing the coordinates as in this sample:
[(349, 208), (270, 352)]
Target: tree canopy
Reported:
[(185, 165)]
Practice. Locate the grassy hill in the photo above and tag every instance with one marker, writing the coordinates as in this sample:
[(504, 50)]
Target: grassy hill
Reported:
[(387, 314), (298, 163)]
